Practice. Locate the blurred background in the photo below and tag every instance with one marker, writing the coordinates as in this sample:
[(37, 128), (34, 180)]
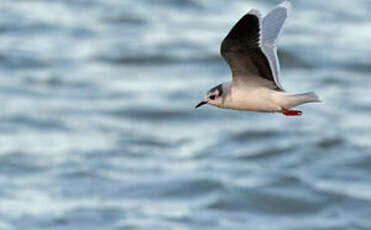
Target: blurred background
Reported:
[(98, 130)]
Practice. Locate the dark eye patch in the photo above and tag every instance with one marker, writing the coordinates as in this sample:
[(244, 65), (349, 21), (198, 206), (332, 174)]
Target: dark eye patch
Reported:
[(212, 97)]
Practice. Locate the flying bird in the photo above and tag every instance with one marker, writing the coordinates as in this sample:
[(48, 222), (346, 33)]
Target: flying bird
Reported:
[(250, 49)]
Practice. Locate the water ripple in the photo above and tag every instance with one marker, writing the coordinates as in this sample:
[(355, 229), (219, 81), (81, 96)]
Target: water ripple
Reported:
[(98, 129)]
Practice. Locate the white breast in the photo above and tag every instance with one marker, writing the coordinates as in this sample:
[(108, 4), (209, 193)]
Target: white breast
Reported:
[(254, 98)]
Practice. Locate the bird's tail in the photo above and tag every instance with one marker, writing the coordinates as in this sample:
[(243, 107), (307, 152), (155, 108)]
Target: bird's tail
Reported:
[(299, 99)]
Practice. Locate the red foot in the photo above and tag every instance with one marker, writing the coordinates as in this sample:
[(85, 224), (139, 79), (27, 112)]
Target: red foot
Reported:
[(287, 112)]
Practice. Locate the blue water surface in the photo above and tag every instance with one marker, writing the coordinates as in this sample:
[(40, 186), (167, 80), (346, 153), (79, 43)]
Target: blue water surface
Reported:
[(98, 130)]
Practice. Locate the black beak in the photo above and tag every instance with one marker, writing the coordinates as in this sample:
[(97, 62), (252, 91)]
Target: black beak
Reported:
[(201, 103)]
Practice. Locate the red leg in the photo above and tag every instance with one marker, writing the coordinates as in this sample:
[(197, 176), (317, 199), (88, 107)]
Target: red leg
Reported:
[(287, 112)]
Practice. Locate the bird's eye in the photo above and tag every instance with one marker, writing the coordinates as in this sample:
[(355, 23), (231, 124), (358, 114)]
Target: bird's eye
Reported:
[(212, 97)]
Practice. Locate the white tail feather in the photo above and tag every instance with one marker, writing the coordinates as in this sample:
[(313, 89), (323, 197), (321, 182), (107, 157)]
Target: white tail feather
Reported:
[(303, 98)]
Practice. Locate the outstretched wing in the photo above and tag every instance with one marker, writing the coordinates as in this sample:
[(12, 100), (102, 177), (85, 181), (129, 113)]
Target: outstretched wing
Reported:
[(242, 50), (272, 27)]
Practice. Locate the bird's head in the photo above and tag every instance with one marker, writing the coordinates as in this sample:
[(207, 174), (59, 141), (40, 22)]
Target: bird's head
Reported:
[(213, 97)]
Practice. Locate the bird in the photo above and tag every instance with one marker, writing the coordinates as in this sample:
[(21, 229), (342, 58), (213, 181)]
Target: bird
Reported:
[(250, 50)]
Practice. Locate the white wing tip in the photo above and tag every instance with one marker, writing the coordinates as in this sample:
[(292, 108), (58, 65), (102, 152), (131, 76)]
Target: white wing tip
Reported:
[(286, 4), (255, 12)]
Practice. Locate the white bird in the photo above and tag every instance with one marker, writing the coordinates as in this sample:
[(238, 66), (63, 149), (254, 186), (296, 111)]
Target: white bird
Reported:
[(250, 49)]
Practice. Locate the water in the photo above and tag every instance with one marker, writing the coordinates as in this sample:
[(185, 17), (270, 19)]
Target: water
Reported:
[(98, 130)]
